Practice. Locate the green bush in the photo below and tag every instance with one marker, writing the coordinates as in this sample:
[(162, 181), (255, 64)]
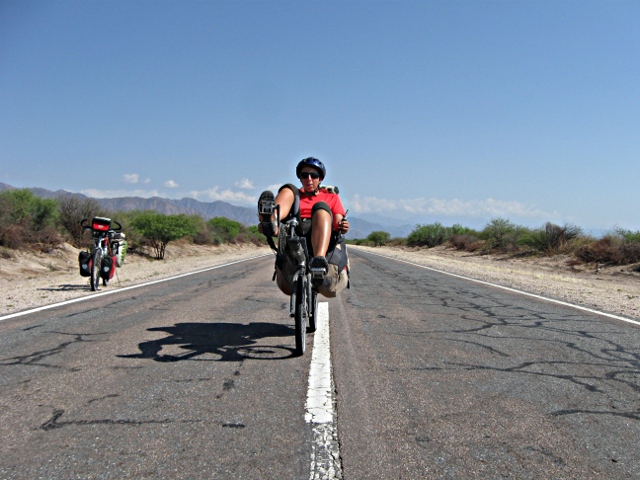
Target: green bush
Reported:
[(550, 239), (500, 234), (225, 229), (628, 235), (427, 235), (26, 219)]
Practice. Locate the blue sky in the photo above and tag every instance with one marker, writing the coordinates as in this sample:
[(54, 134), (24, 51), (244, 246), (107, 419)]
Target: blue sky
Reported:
[(423, 111)]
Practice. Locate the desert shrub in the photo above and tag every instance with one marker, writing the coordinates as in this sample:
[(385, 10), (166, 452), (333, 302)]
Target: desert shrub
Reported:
[(628, 235), (466, 242), (458, 229), (397, 242), (203, 237), (379, 238), (631, 253), (72, 210), (551, 238), (500, 234), (135, 240), (251, 234), (360, 241), (26, 219), (429, 236), (224, 229), (612, 249)]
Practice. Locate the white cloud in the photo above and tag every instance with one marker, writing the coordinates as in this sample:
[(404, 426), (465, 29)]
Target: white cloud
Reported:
[(214, 193), (130, 178), (450, 207), (170, 184), (245, 184), (274, 188)]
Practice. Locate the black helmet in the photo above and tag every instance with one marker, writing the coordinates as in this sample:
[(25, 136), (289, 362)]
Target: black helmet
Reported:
[(311, 162)]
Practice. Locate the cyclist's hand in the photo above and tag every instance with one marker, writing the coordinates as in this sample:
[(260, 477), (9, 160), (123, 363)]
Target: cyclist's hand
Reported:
[(344, 225)]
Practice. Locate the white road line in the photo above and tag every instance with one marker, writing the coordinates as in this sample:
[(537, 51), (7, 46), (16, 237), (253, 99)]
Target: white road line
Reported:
[(320, 412), (540, 297), (123, 289)]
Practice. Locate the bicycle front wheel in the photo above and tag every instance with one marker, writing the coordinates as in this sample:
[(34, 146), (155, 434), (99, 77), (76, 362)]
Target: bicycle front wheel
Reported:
[(96, 264), (313, 310), (301, 314)]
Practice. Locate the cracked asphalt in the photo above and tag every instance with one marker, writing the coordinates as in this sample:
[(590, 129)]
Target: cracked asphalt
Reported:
[(435, 377)]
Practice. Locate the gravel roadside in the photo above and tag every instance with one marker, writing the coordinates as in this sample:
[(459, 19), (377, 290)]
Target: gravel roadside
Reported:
[(34, 279)]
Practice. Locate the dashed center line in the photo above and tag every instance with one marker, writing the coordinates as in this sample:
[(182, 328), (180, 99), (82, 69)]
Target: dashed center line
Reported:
[(320, 411)]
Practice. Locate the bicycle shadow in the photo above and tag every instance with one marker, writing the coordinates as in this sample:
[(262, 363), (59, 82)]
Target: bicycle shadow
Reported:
[(232, 342), (65, 288)]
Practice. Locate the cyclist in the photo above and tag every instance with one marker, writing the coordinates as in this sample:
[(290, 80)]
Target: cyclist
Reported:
[(321, 214)]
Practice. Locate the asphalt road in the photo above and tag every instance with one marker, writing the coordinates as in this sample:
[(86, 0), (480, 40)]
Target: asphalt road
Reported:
[(434, 377)]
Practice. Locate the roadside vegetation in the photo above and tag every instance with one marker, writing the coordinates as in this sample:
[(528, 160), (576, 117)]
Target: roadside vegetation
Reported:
[(618, 247), (28, 221)]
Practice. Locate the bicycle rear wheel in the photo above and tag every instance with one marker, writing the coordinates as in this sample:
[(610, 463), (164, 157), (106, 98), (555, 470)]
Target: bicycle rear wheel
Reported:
[(301, 315), (96, 263)]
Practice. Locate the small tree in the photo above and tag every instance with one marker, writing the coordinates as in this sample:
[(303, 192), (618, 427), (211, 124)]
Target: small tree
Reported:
[(158, 229), (379, 238), (73, 210)]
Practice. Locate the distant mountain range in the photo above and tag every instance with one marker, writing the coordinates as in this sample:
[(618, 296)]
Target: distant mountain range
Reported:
[(359, 228)]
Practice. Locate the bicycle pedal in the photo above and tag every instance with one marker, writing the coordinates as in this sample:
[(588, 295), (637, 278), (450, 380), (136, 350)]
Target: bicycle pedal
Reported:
[(267, 208), (318, 273)]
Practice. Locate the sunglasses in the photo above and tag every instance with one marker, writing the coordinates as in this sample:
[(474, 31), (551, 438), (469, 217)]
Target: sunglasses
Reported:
[(313, 175)]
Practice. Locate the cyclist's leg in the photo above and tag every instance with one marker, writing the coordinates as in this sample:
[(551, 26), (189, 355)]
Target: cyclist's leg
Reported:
[(286, 198), (321, 223)]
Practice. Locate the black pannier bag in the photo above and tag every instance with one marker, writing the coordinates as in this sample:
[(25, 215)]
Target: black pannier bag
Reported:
[(84, 259), (108, 268)]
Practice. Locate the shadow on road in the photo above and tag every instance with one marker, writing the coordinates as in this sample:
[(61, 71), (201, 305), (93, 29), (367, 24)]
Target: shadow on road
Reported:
[(66, 287), (232, 342)]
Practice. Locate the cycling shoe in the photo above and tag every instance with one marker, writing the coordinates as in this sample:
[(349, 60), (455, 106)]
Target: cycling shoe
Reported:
[(266, 205), (318, 263)]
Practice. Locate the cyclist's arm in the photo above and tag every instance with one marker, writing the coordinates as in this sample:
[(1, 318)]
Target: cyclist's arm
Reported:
[(339, 214)]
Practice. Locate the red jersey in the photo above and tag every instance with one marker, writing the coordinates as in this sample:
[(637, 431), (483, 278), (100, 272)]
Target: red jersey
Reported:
[(331, 199)]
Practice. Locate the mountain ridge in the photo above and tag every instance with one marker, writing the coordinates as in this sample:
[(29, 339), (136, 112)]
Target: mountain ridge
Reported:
[(359, 228)]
